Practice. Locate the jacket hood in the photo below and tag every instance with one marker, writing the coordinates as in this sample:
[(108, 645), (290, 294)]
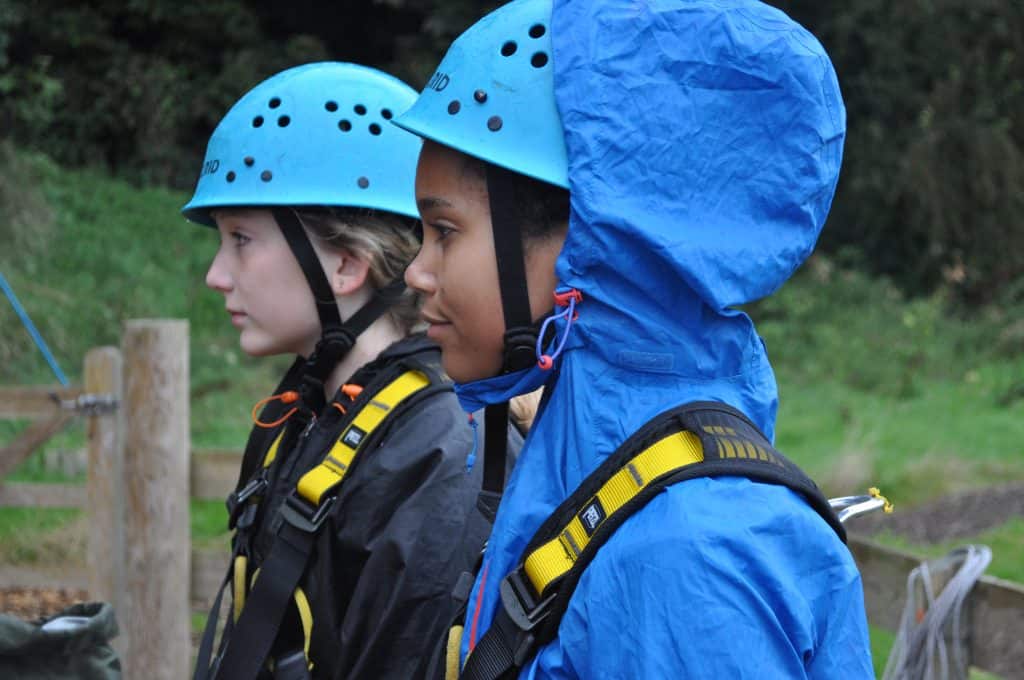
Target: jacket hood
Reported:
[(704, 141)]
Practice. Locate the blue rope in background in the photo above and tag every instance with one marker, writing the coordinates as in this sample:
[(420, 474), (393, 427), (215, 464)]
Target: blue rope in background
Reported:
[(40, 343)]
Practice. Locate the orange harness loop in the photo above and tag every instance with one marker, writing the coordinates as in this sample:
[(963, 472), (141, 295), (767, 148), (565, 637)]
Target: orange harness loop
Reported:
[(289, 397)]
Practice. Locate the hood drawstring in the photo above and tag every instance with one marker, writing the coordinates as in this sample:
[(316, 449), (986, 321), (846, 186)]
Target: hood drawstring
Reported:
[(471, 458), (568, 299)]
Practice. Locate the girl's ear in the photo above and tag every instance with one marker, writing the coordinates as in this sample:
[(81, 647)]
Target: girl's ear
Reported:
[(348, 272)]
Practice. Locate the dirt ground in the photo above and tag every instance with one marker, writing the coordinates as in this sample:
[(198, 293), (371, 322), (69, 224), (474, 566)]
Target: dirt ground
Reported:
[(31, 604), (949, 518)]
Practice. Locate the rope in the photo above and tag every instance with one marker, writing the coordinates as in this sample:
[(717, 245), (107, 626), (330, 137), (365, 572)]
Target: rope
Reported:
[(922, 648), (40, 343)]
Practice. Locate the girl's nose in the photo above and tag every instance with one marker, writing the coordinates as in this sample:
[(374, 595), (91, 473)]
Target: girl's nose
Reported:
[(217, 276), (419, 276)]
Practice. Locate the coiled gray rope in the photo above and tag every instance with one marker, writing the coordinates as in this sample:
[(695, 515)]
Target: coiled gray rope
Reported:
[(921, 650)]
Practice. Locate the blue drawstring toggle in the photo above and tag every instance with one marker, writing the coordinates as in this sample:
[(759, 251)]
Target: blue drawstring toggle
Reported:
[(567, 299)]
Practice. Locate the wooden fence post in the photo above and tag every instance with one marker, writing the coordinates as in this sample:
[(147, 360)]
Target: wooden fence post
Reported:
[(156, 459), (105, 487)]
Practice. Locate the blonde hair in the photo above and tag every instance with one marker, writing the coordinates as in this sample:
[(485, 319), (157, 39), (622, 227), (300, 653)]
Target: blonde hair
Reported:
[(388, 242)]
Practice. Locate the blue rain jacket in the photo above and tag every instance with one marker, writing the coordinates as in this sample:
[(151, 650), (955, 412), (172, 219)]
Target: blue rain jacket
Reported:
[(704, 141)]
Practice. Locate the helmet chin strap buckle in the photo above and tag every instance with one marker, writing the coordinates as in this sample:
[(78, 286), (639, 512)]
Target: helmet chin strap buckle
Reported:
[(333, 345), (520, 348)]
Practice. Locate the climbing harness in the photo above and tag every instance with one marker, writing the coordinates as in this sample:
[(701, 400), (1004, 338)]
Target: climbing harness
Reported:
[(262, 600), (696, 440)]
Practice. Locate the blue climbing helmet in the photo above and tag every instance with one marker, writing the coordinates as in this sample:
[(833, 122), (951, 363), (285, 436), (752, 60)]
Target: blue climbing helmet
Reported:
[(316, 134), (493, 95)]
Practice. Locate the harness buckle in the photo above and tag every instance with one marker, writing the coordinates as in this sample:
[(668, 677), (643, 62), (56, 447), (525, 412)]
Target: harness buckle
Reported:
[(305, 516), (236, 499), (525, 610)]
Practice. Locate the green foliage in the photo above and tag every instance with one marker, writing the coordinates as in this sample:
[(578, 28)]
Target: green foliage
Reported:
[(209, 525), (114, 253), (135, 87), (25, 217), (1004, 540), (932, 190), (878, 389), (40, 535)]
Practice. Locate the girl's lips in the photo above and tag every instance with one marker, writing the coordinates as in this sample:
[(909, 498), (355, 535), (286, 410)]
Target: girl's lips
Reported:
[(436, 328), (237, 318)]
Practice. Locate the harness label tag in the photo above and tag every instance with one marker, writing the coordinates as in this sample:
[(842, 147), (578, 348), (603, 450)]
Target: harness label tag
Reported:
[(591, 516), (353, 437)]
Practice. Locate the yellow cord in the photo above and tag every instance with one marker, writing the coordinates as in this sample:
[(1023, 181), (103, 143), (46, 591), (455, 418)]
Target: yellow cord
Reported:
[(875, 493)]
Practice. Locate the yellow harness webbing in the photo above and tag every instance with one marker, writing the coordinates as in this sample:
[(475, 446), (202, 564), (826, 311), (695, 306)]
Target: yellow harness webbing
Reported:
[(272, 451), (556, 557), (332, 469)]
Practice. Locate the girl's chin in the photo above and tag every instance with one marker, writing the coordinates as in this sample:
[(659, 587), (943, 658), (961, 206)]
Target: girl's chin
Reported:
[(467, 367), (259, 347)]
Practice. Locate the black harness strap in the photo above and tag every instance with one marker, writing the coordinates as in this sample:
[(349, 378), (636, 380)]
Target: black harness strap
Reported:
[(729, 445), (495, 447), (261, 618), (202, 669)]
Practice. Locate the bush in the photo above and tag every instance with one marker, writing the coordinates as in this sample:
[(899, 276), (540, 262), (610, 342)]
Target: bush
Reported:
[(932, 191)]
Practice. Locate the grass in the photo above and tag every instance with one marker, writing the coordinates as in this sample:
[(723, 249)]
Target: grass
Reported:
[(41, 535), (209, 525), (113, 252), (904, 394), (1004, 540)]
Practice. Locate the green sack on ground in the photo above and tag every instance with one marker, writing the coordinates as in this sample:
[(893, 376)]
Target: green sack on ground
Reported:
[(73, 644)]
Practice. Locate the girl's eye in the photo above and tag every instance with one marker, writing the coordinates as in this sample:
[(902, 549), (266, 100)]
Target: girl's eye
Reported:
[(240, 238), (441, 231)]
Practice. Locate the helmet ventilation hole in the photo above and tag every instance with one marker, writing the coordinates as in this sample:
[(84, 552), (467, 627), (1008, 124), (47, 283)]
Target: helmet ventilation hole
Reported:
[(374, 129), (283, 121), (249, 160), (494, 123), (230, 176), (274, 102), (331, 106), (257, 121), (386, 114), (508, 49), (539, 60), (480, 96), (363, 182), (360, 109), (537, 30), (344, 125), (266, 175), (454, 106)]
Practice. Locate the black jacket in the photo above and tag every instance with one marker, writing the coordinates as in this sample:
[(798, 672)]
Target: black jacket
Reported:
[(404, 527)]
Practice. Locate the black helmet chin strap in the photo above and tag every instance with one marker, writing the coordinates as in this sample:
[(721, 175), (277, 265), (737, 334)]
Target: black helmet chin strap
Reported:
[(336, 337), (520, 331), (519, 350)]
